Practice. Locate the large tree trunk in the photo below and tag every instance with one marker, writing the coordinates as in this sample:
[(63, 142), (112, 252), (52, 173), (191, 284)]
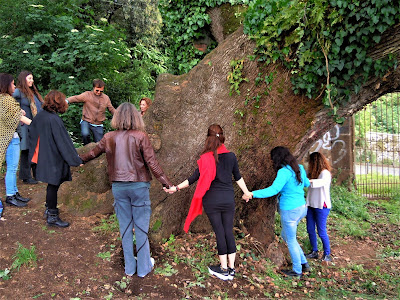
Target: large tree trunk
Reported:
[(184, 107)]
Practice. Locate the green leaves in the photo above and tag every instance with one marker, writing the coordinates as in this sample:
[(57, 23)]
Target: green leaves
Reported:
[(339, 31), (184, 24)]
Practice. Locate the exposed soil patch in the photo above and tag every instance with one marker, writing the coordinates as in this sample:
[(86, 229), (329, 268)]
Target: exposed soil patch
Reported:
[(79, 262)]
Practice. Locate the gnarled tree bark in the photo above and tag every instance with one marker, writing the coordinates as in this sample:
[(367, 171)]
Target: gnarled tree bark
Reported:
[(260, 118)]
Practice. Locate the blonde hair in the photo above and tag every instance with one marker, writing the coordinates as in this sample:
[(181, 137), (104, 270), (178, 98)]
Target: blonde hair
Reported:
[(127, 117)]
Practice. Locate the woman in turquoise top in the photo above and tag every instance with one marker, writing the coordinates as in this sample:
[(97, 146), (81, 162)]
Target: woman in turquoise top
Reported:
[(289, 183)]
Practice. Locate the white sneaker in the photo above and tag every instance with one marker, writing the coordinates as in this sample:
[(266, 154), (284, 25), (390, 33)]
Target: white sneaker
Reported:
[(151, 260)]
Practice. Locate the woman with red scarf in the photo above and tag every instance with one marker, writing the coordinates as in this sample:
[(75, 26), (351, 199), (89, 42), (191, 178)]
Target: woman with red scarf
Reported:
[(215, 193)]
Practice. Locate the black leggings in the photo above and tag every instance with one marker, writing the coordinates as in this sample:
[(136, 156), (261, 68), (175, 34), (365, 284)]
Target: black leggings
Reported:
[(51, 196), (222, 224), (25, 166)]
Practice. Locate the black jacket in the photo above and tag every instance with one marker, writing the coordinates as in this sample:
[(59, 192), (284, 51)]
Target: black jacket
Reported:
[(56, 151)]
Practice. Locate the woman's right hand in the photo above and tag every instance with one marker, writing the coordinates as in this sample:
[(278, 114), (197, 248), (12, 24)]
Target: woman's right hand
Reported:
[(247, 196), (171, 190)]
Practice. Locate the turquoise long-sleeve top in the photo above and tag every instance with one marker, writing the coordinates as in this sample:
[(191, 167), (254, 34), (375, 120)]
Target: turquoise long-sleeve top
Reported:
[(291, 192)]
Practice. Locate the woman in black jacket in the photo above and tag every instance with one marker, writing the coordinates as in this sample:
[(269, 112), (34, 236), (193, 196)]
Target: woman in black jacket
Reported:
[(52, 150)]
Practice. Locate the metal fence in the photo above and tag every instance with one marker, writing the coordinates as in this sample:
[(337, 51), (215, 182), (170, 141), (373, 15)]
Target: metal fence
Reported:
[(377, 148)]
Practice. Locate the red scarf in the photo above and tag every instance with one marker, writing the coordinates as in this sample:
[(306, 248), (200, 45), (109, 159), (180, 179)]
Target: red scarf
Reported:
[(208, 170)]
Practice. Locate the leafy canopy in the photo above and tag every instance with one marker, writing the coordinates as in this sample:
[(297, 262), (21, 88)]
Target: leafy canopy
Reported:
[(324, 42), (67, 44), (184, 22)]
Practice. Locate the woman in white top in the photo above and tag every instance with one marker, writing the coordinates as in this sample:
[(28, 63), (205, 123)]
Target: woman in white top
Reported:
[(319, 203)]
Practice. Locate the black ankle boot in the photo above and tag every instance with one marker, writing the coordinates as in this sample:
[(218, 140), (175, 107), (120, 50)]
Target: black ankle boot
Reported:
[(20, 198), (312, 254), (53, 219), (11, 200)]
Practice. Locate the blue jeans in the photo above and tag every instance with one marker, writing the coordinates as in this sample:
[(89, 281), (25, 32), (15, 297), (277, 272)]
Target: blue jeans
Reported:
[(12, 160), (97, 131), (317, 216), (132, 207), (289, 220)]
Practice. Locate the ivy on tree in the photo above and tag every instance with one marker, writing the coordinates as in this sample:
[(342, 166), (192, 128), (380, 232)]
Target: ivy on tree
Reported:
[(323, 42)]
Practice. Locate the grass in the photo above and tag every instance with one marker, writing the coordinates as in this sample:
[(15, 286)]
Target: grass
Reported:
[(376, 184), (352, 217), (104, 255), (24, 256), (108, 225)]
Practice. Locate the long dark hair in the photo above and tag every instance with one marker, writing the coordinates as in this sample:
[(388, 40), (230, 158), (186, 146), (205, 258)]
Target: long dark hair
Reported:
[(29, 92), (5, 82), (316, 164), (281, 157), (215, 138)]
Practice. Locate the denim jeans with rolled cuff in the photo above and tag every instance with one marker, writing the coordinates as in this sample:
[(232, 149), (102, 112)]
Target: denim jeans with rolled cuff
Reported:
[(12, 160), (132, 207), (290, 220)]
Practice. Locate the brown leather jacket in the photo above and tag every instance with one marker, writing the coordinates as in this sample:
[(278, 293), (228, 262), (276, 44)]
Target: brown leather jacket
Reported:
[(130, 156)]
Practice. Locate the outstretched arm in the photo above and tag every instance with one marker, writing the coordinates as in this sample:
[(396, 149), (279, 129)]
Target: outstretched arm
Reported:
[(247, 195), (175, 188)]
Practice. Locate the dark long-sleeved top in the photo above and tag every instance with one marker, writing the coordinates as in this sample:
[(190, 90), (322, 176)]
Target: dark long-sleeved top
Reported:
[(56, 151), (227, 165), (24, 102)]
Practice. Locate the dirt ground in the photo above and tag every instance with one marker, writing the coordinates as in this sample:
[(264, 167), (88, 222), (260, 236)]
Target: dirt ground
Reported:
[(70, 264)]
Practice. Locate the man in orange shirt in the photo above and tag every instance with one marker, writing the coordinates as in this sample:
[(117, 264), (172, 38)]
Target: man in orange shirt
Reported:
[(95, 103)]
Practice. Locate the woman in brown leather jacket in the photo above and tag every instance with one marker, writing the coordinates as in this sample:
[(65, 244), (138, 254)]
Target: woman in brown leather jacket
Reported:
[(130, 155)]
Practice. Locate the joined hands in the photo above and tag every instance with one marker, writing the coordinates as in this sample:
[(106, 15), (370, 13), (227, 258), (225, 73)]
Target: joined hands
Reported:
[(170, 190), (247, 196)]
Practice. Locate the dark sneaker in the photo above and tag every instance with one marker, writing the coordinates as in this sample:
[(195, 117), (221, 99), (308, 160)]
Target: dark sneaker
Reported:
[(305, 268), (11, 200), (291, 273), (30, 181), (232, 273), (326, 258), (313, 254), (20, 198), (219, 272)]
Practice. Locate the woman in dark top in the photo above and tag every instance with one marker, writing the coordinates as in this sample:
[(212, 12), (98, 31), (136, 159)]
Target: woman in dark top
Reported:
[(52, 150), (30, 101), (215, 193)]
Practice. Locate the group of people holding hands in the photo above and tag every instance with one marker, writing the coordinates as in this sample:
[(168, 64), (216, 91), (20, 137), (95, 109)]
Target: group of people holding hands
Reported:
[(47, 149)]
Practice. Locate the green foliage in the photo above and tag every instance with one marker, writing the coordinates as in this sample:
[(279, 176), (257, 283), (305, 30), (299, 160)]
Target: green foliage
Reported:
[(185, 22), (123, 283), (372, 184), (5, 274), (141, 19), (380, 116), (67, 44), (165, 270), (348, 203), (108, 225), (323, 38), (235, 77), (24, 256), (104, 255)]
